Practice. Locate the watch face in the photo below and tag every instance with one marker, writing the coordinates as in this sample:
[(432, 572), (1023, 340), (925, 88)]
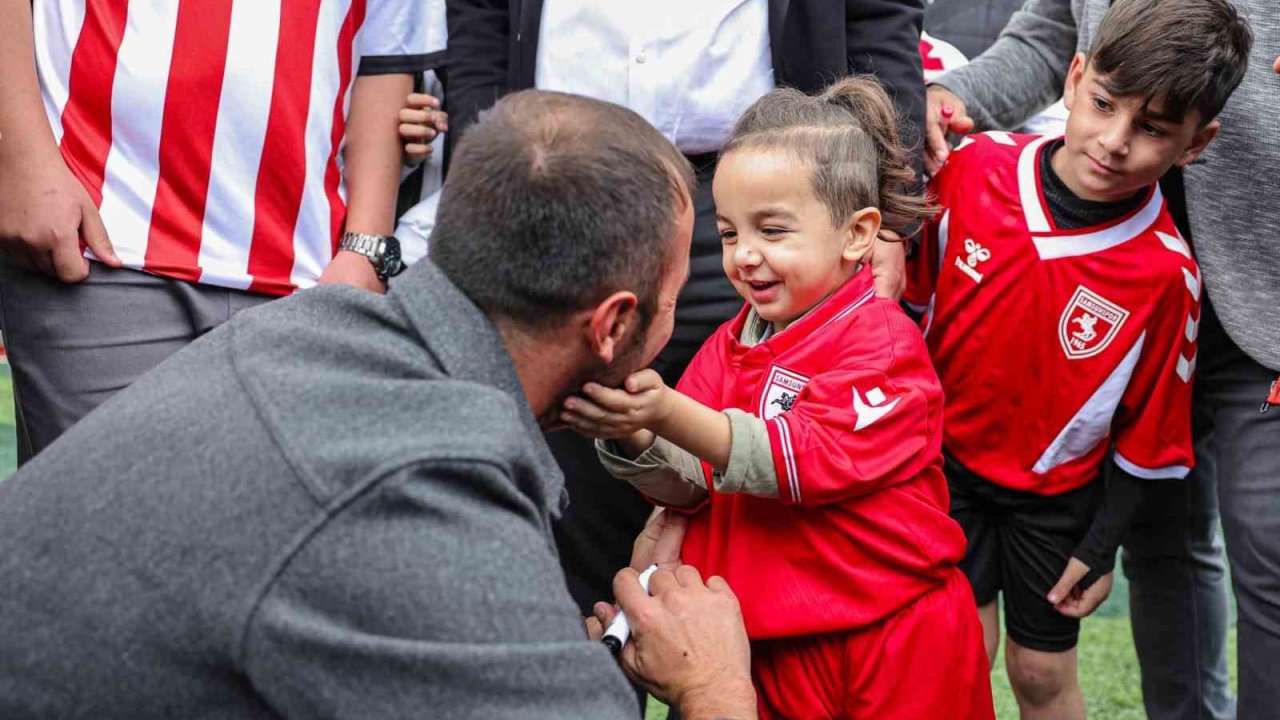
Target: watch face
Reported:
[(392, 263)]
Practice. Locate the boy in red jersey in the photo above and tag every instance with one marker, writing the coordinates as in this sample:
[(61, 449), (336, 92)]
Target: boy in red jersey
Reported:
[(805, 436), (1062, 312)]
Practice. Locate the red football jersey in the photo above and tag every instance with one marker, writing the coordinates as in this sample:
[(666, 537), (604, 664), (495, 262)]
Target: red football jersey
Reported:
[(1054, 344), (854, 412)]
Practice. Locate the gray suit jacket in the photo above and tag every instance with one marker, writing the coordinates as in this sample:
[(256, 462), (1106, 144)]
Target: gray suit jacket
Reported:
[(335, 505), (1231, 191)]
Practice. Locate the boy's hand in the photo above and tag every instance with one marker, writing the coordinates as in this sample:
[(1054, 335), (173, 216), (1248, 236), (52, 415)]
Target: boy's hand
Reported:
[(641, 403), (1068, 598), (421, 120)]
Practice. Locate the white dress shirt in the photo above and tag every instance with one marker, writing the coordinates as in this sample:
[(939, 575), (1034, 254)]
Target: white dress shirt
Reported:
[(689, 67)]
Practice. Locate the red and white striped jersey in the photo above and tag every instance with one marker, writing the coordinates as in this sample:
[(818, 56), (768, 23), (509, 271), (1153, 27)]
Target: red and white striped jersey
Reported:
[(209, 132), (1054, 344), (853, 410)]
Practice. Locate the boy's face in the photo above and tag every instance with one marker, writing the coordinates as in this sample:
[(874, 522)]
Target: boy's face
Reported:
[(1113, 147), (780, 250)]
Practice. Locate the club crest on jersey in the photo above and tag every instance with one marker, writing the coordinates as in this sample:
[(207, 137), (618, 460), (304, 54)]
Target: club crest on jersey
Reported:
[(780, 392), (1089, 324)]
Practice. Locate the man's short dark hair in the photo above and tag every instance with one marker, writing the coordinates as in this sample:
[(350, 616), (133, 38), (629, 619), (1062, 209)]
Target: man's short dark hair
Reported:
[(554, 202), (1187, 54)]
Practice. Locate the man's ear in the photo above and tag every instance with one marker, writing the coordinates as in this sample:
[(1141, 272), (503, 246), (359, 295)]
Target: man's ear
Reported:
[(609, 322), (1075, 74), (860, 234), (1199, 142)]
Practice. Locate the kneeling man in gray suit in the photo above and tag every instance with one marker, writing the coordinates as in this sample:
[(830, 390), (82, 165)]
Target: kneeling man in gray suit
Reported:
[(339, 505)]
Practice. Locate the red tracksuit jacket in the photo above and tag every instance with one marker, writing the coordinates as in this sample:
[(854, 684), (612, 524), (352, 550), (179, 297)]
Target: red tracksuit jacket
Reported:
[(854, 412)]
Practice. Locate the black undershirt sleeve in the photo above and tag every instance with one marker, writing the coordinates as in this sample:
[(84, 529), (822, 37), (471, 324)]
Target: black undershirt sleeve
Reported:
[(1121, 499)]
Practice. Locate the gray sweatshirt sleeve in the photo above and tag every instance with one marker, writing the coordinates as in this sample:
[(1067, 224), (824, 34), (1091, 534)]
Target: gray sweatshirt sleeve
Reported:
[(672, 475), (436, 593), (1023, 72)]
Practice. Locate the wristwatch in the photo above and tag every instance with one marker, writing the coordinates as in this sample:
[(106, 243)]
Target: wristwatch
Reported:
[(382, 250)]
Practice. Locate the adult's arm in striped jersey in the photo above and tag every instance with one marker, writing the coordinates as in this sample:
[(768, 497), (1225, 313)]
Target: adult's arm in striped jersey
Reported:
[(372, 165), (45, 213)]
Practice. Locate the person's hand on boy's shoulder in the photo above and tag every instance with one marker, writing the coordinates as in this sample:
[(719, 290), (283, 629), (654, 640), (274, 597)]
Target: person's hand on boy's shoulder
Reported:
[(945, 114), (1071, 599)]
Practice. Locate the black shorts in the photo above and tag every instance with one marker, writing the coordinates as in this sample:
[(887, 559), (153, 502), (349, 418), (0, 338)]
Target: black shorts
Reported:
[(1019, 543)]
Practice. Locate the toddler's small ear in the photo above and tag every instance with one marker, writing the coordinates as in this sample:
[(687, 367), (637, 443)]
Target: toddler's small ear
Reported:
[(862, 229)]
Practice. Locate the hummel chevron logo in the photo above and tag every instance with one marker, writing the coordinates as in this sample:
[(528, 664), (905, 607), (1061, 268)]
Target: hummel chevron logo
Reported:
[(872, 409), (976, 255)]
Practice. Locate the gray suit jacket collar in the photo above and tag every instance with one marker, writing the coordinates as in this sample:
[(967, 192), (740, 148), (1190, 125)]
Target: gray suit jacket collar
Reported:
[(465, 344)]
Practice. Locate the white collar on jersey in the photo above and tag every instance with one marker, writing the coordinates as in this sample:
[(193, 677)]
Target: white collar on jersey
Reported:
[(1051, 246)]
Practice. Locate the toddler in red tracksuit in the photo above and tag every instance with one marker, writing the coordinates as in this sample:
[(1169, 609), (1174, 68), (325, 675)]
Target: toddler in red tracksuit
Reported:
[(805, 437)]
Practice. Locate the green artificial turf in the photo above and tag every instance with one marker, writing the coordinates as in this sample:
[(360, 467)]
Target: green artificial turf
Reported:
[(8, 437)]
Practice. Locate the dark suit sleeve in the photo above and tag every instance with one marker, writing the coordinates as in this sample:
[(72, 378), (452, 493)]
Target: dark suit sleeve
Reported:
[(477, 61), (884, 40)]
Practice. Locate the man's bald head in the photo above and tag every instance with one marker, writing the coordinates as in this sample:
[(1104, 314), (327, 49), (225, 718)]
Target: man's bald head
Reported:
[(556, 201)]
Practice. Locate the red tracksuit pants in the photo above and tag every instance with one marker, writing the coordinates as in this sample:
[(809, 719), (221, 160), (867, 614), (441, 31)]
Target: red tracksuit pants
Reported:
[(925, 662)]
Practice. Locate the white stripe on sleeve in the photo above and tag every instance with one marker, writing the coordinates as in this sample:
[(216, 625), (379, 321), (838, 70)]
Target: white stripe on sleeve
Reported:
[(1171, 472), (788, 457)]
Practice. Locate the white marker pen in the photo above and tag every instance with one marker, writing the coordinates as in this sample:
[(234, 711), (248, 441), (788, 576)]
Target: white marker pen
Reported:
[(619, 630)]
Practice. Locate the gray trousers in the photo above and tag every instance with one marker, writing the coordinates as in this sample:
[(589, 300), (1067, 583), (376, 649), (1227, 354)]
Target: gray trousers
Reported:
[(1242, 451), (1178, 601), (73, 346)]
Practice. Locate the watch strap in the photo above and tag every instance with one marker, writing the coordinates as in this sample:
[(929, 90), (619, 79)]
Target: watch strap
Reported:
[(383, 252)]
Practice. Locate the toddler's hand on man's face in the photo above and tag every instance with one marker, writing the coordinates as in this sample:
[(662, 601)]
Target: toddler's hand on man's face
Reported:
[(613, 413)]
